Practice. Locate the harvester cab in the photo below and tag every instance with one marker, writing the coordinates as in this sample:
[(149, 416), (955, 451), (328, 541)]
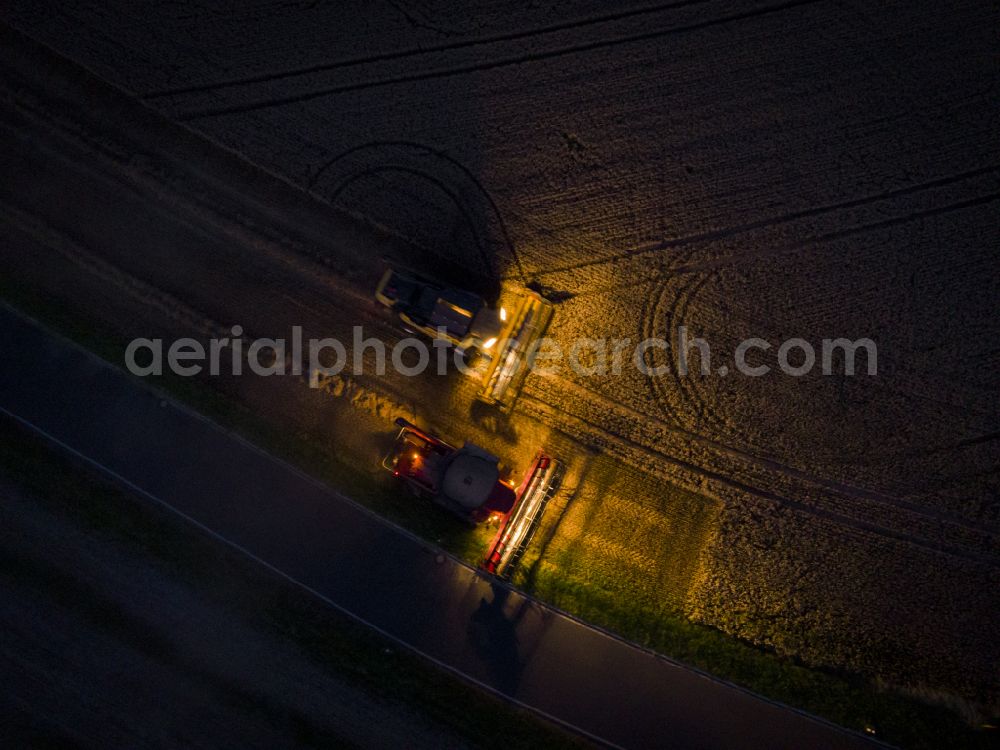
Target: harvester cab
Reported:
[(506, 337)]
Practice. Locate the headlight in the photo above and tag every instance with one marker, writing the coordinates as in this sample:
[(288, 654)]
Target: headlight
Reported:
[(503, 314), (489, 342)]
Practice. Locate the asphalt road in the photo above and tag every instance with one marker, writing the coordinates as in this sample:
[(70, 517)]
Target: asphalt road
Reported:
[(378, 573)]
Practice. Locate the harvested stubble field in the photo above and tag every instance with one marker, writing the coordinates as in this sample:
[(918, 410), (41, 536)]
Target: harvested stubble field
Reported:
[(805, 169), (620, 543)]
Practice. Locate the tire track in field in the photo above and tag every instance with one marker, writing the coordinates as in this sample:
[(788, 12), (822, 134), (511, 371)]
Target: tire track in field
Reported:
[(788, 247), (627, 450), (467, 173), (647, 330), (419, 51), (717, 263), (687, 386), (773, 221), (485, 66), (651, 460)]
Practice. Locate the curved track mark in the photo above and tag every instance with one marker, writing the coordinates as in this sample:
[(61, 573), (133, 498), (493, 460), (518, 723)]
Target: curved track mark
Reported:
[(484, 257), (444, 156)]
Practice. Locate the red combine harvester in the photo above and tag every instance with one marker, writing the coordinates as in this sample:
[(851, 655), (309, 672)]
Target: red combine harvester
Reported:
[(467, 481)]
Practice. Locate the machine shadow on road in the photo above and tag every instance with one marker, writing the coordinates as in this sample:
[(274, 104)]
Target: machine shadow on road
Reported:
[(494, 636)]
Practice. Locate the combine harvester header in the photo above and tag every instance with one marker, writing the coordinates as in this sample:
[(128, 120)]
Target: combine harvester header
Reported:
[(510, 365), (519, 526)]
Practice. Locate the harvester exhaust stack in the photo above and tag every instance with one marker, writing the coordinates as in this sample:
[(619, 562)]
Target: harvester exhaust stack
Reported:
[(509, 366)]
